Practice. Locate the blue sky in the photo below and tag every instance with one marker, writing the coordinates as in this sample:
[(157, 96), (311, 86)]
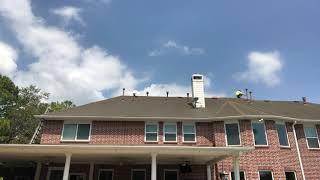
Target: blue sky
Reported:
[(87, 50)]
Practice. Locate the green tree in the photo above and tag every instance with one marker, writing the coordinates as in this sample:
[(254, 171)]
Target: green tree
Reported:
[(8, 95), (59, 106)]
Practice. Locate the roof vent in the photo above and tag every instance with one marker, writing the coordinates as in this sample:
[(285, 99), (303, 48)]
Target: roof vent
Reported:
[(167, 93), (123, 89), (304, 100), (147, 93)]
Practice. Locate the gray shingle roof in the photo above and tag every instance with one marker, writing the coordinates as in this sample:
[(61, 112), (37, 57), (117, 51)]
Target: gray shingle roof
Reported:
[(181, 107)]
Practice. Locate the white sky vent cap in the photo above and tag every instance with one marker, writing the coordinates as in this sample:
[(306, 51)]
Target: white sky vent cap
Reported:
[(197, 82)]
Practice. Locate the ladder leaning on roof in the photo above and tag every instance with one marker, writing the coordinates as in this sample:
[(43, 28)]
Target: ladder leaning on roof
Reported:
[(36, 133)]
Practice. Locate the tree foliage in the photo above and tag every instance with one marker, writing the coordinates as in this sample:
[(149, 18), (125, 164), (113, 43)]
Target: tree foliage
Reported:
[(18, 107)]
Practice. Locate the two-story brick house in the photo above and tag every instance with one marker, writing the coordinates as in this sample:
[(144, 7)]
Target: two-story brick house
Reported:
[(172, 138)]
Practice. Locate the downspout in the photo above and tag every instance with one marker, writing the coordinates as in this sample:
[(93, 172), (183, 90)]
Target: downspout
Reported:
[(298, 150)]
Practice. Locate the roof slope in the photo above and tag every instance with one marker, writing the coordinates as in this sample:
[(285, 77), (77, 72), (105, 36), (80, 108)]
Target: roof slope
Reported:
[(181, 107)]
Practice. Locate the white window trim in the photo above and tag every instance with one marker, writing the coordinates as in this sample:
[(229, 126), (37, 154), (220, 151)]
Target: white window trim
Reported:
[(225, 130), (145, 131), (145, 174), (285, 127), (295, 174), (265, 132), (305, 135), (77, 123), (100, 170), (164, 132), (53, 169), (165, 170), (195, 132), (79, 173), (265, 170), (244, 174)]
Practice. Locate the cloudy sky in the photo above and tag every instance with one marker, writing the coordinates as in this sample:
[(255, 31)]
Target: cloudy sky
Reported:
[(87, 50)]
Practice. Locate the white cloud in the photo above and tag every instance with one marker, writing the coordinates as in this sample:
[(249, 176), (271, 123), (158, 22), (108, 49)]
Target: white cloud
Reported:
[(69, 13), (263, 67), (8, 58), (172, 46), (62, 66)]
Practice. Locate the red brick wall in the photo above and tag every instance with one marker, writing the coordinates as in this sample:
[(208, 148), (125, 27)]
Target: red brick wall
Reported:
[(310, 158), (272, 157), (51, 132)]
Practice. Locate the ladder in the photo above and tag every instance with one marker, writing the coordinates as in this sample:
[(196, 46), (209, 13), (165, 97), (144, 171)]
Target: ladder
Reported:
[(36, 133)]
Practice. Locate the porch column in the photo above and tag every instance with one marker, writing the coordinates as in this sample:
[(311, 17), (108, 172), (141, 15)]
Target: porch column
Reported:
[(38, 171), (153, 166), (208, 172), (236, 168), (91, 171), (67, 167)]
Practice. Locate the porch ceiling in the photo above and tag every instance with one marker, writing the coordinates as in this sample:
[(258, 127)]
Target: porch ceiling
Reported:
[(110, 154)]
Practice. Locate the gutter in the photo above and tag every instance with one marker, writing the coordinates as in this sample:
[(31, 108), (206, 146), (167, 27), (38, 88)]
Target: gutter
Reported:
[(298, 150)]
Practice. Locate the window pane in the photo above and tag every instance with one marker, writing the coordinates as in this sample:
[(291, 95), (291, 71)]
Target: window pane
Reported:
[(56, 174), (83, 131), (69, 131), (189, 137), (310, 132), (259, 133), (138, 175), (151, 128), (232, 134), (151, 136), (313, 142), (290, 176), (282, 134), (265, 175), (170, 137), (171, 128), (105, 175), (76, 177), (188, 129), (171, 175), (241, 176)]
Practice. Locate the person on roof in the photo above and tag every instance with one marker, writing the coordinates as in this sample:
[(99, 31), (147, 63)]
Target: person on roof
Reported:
[(239, 94)]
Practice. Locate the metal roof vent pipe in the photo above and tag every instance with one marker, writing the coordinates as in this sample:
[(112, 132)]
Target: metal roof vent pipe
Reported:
[(147, 93), (167, 93), (123, 89), (197, 83), (250, 95), (304, 100), (247, 94), (187, 97)]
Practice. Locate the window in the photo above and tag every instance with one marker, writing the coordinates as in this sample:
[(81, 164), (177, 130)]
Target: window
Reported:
[(265, 175), (138, 174), (189, 132), (54, 173), (170, 174), (282, 134), (170, 132), (290, 176), (232, 134), (312, 137), (242, 176), (151, 132), (105, 174), (259, 133), (76, 132), (77, 176)]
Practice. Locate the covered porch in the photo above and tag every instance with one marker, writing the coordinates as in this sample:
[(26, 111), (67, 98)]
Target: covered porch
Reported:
[(113, 162)]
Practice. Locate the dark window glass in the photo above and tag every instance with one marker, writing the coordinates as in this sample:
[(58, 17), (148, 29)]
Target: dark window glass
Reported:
[(76, 177), (170, 175), (259, 133), (290, 176), (282, 134), (138, 175), (265, 175), (233, 134), (105, 175), (83, 131), (313, 142), (241, 175), (312, 137), (56, 175), (170, 137), (69, 131)]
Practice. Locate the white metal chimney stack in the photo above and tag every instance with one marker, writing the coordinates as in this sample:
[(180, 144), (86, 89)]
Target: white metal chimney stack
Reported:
[(198, 91)]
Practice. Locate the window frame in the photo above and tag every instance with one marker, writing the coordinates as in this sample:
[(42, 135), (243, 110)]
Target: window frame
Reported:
[(265, 132), (285, 127), (84, 175), (225, 130), (244, 174), (295, 174), (75, 139), (100, 170), (53, 169), (145, 131), (174, 170), (164, 132), (265, 171), (145, 173), (305, 135), (195, 132)]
